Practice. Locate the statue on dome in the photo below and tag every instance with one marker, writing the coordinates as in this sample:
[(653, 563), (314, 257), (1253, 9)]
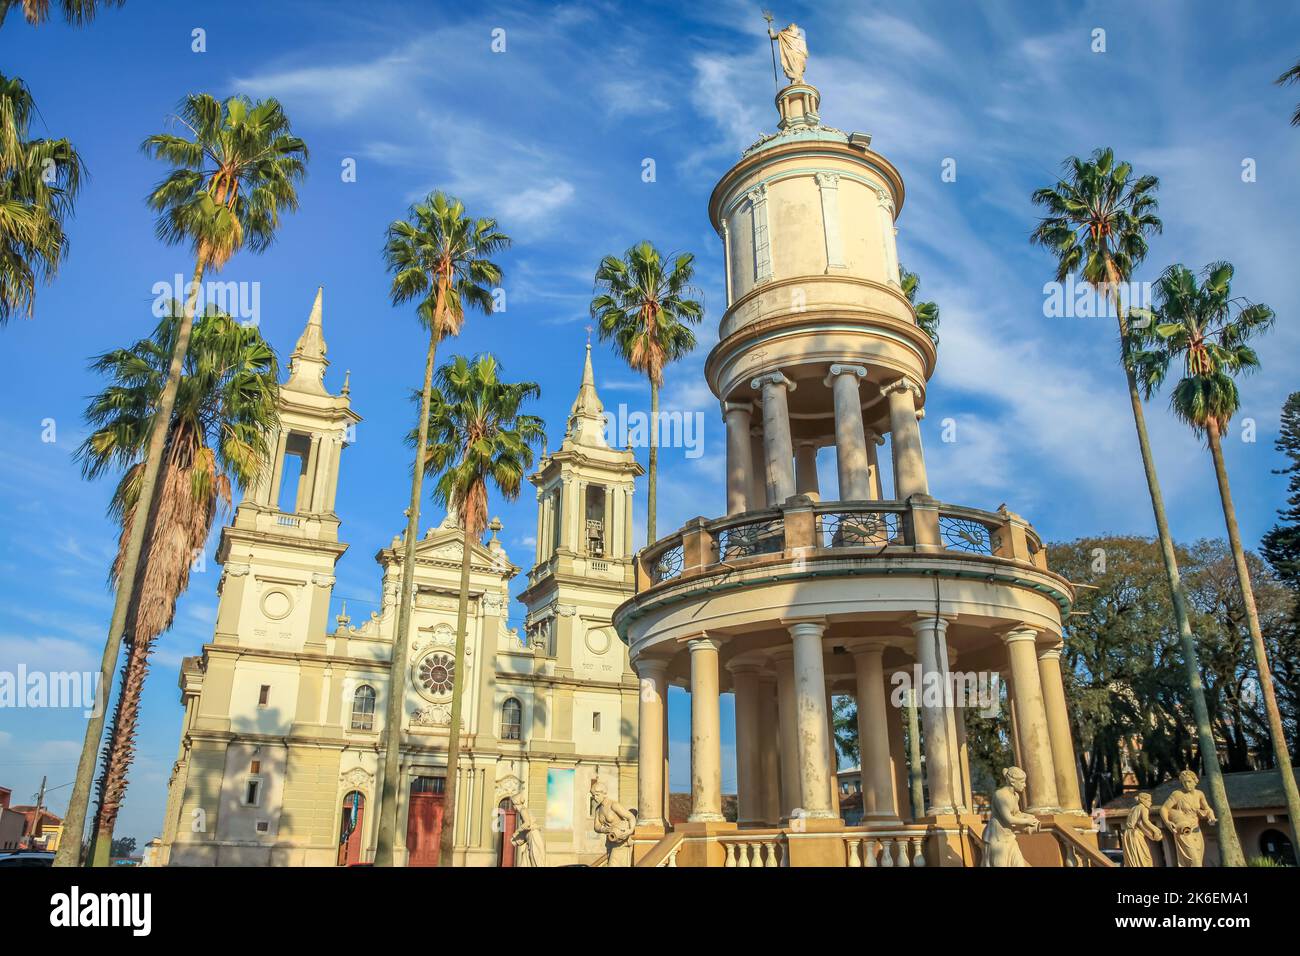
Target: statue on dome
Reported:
[(794, 49)]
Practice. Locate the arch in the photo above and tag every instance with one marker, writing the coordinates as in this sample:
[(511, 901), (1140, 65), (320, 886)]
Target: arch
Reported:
[(363, 708), (351, 827), (512, 718), (507, 820), (1276, 845)]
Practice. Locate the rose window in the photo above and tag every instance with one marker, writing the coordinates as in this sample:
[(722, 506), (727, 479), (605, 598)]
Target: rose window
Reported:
[(436, 674)]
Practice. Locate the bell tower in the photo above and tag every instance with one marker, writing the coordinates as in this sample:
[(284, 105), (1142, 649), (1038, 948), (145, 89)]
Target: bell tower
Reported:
[(279, 552)]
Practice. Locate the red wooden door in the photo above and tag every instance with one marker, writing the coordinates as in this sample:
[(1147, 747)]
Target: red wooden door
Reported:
[(354, 809), (423, 829), (508, 816)]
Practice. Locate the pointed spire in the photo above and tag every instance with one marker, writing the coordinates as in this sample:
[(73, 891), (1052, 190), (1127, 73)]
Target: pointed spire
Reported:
[(308, 362), (587, 416)]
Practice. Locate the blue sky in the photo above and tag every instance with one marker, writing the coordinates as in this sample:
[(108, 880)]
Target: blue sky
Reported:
[(549, 136)]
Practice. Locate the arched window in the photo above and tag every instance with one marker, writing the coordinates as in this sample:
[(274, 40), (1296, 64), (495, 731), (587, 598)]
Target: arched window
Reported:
[(512, 715), (363, 708)]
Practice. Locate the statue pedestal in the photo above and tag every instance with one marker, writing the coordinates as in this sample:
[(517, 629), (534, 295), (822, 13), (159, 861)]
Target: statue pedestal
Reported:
[(798, 104)]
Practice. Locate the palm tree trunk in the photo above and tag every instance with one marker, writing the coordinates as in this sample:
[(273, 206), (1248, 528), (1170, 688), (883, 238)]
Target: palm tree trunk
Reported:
[(652, 486), (447, 838), (1229, 844), (74, 822), (119, 749), (386, 838), (1281, 755)]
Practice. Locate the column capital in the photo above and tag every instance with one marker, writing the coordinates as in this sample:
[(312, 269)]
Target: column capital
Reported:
[(805, 627), (650, 667), (837, 369), (731, 405), (903, 384), (1022, 633), (924, 624), (703, 644), (868, 649), (1051, 652), (773, 378), (745, 667)]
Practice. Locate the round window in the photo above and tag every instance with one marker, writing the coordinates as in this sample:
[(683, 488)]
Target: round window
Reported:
[(277, 604), (436, 673)]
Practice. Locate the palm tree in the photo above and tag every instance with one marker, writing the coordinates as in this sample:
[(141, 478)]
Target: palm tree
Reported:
[(225, 405), (39, 179), (475, 435), (927, 313), (1291, 76), (1203, 328), (233, 177), (440, 258), (76, 12), (1098, 219), (642, 306)]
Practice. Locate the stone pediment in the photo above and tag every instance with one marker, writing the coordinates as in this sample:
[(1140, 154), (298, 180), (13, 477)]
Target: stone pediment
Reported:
[(443, 545)]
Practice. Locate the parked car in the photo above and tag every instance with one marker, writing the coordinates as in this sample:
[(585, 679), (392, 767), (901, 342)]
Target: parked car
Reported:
[(28, 858)]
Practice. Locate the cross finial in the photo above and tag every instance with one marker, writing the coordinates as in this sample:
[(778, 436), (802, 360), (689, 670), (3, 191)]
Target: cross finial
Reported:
[(589, 335)]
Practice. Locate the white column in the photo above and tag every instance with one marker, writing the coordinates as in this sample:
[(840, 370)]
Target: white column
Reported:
[(811, 723), (770, 750), (909, 462), (758, 493), (1031, 719), (739, 455), (805, 468), (749, 744), (851, 456), (889, 245), (875, 489), (762, 236), (706, 734), (832, 755), (776, 435), (878, 798), (1058, 727), (787, 718), (277, 468), (726, 257), (650, 740), (940, 774)]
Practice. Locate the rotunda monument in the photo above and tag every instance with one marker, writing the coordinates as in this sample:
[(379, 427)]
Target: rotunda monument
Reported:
[(794, 595)]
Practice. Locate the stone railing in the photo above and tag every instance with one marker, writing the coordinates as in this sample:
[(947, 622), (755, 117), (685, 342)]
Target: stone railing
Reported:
[(885, 849), (1074, 852), (803, 527), (744, 850)]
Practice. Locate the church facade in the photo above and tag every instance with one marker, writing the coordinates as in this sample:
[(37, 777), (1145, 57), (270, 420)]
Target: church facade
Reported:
[(281, 751)]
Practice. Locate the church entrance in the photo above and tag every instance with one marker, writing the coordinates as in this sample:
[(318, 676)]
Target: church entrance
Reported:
[(508, 820), (354, 807), (424, 820)]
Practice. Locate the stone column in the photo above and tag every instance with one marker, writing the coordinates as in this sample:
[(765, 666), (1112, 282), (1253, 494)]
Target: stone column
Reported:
[(875, 489), (832, 755), (776, 435), (851, 458), (758, 493), (1058, 728), (909, 462), (939, 770), (810, 711), (650, 740), (897, 754), (828, 185), (787, 716), (769, 750), (805, 468), (739, 456), (878, 797), (749, 744), (963, 758), (277, 469), (1031, 719), (706, 736)]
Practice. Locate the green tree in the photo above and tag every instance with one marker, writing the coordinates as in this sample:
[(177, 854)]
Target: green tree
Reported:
[(123, 846), (1291, 76), (225, 405), (39, 180), (441, 259), (646, 306), (233, 175), (927, 313), (1098, 217), (476, 437), (1201, 327), (76, 12), (1281, 545)]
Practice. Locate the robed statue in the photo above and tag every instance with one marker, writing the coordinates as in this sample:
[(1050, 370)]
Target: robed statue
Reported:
[(530, 845), (1139, 831), (615, 823), (794, 51), (1006, 819), (1182, 814)]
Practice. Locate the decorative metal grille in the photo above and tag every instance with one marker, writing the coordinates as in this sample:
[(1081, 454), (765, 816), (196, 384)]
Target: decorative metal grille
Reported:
[(962, 534), (859, 529), (746, 540), (669, 564)]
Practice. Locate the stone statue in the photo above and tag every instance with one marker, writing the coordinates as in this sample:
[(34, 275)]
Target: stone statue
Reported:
[(1182, 814), (1006, 819), (1138, 831), (527, 836), (794, 51), (609, 818)]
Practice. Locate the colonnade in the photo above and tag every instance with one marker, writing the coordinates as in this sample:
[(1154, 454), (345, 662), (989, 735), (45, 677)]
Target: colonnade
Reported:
[(785, 762), (766, 465)]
